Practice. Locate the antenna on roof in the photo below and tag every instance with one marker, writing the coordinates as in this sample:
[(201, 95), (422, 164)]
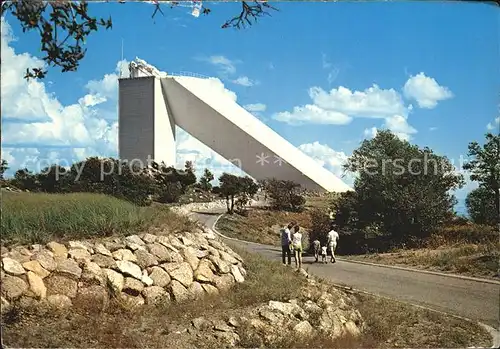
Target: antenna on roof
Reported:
[(121, 65)]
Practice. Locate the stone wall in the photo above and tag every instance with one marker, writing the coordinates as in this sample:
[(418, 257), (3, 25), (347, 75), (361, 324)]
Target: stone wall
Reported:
[(137, 269)]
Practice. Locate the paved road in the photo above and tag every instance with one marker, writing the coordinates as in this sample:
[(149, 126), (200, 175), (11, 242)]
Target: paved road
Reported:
[(471, 299)]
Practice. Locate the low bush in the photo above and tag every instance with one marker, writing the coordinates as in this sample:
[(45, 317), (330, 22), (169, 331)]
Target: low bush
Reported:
[(285, 195), (467, 234)]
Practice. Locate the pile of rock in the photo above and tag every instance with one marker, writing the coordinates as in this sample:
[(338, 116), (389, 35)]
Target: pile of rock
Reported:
[(136, 269), (322, 310), (188, 209)]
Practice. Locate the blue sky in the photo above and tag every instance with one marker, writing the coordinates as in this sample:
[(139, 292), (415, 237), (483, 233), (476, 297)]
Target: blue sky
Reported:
[(328, 75)]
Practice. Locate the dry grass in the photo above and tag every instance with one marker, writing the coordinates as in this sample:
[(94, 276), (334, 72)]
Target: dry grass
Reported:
[(260, 225), (320, 202), (471, 249), (472, 260), (393, 324), (29, 218)]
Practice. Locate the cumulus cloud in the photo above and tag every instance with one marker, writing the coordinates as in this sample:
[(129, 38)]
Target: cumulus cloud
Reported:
[(28, 100), (397, 124), (310, 113), (245, 81), (372, 102), (370, 132), (425, 91), (340, 105)]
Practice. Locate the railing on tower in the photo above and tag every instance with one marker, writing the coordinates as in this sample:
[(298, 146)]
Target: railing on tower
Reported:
[(190, 74)]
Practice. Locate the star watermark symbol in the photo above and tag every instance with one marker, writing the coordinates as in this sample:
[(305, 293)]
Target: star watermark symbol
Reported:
[(278, 160), (262, 159)]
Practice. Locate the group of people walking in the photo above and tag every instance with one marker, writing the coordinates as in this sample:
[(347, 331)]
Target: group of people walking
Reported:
[(291, 243)]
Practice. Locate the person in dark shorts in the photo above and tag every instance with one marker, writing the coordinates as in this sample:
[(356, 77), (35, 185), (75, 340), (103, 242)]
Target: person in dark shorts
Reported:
[(286, 240), (317, 249)]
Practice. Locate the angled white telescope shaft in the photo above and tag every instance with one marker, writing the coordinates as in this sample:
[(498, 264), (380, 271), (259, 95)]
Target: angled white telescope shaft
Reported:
[(150, 107)]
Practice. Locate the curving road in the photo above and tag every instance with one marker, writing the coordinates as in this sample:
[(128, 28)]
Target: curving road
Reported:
[(470, 299)]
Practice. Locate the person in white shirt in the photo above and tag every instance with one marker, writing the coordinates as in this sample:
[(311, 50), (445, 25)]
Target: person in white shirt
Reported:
[(286, 240), (332, 238), (323, 254), (297, 246)]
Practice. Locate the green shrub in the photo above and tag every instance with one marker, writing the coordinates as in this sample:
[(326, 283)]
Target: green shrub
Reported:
[(285, 195)]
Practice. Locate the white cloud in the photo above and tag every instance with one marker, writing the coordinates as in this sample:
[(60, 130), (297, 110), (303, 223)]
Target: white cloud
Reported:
[(494, 125), (227, 68), (372, 102), (331, 159), (341, 105), (245, 81), (28, 100), (397, 124), (224, 64), (370, 132), (310, 113), (432, 128), (256, 107), (426, 91)]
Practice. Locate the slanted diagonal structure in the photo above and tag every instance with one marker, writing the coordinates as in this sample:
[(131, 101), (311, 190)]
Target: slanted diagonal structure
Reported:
[(151, 106)]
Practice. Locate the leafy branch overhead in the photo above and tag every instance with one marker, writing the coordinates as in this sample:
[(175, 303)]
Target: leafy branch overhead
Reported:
[(64, 27)]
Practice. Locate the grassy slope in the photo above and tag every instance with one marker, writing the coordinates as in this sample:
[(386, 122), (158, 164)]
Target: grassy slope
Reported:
[(38, 218)]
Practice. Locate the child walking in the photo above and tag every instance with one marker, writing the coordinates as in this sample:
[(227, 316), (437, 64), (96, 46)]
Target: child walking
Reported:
[(323, 254)]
